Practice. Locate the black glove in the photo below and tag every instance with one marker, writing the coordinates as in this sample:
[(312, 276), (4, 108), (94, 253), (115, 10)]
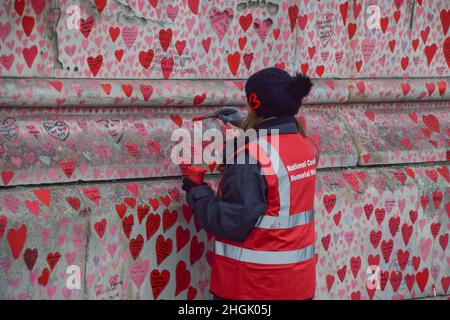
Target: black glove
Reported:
[(188, 185)]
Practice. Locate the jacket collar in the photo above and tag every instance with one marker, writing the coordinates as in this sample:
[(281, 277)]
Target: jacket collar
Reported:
[(285, 124)]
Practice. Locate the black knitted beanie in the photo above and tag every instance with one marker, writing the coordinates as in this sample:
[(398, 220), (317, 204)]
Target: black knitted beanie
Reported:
[(272, 92)]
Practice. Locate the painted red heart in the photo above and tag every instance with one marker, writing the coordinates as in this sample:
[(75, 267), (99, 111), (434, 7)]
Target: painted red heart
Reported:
[(400, 176), (114, 33), (435, 228), (182, 237), (100, 227), (28, 25), (68, 167), (430, 51), (177, 120), (403, 258), (130, 201), (329, 280), (246, 21), (3, 222), (169, 219), (329, 202), (29, 55), (93, 194), (163, 249), (406, 233), (43, 278), (192, 293), (432, 175), (74, 202), (180, 45), (121, 209), (165, 38), (422, 279), (386, 249), (146, 58), (375, 238), (233, 60), (127, 225), (355, 265), (326, 241), (445, 282), (443, 241), (395, 279), (413, 214), (343, 9), (52, 259), (19, 6), (379, 215), (445, 20), (86, 26), (95, 64), (16, 240), (196, 250), (416, 262), (293, 14), (337, 217), (106, 88), (384, 22), (155, 147), (136, 245), (446, 50), (30, 256), (154, 203), (159, 281), (7, 176), (167, 67), (152, 224), (142, 212), (368, 209), (394, 223), (432, 122), (199, 99), (437, 198), (100, 4), (410, 279), (119, 54), (444, 172), (183, 278), (193, 6)]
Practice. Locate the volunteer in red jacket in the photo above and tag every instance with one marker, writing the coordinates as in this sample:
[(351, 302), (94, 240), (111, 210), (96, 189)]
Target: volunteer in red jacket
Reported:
[(263, 215)]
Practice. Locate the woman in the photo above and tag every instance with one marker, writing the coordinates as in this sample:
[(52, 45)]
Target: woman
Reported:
[(263, 217)]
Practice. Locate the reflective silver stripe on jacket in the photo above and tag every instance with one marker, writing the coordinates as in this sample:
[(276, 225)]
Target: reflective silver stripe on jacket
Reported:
[(285, 222), (284, 184), (263, 257)]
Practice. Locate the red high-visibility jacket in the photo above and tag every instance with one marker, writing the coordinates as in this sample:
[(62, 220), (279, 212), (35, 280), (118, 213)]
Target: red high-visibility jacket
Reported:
[(277, 260)]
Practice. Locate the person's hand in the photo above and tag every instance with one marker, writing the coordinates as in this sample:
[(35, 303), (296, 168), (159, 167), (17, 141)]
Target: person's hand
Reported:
[(230, 115)]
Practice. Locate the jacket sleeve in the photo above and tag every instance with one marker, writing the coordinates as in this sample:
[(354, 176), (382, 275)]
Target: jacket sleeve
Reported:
[(243, 200)]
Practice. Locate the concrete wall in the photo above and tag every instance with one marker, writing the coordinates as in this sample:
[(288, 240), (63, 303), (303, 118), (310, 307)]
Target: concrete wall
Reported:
[(87, 112)]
